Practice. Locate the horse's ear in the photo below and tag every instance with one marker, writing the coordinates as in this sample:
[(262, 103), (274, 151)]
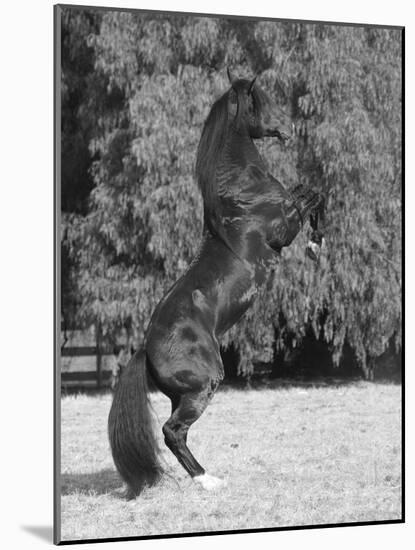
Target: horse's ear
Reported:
[(231, 76), (251, 86)]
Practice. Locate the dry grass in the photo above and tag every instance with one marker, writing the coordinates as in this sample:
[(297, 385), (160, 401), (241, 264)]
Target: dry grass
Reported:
[(291, 456)]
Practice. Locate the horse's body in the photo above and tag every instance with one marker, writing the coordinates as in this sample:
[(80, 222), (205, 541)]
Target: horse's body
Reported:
[(249, 216)]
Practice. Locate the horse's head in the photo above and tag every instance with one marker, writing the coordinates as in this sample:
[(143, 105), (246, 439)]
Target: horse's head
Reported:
[(251, 106)]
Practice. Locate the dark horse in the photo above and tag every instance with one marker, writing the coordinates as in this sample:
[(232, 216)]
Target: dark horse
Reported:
[(248, 217)]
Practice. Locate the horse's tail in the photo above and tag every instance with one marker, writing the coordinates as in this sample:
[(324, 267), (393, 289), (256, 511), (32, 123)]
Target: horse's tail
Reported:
[(306, 200), (133, 444)]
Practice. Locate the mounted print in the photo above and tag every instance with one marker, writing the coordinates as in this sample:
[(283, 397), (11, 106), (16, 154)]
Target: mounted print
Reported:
[(229, 274)]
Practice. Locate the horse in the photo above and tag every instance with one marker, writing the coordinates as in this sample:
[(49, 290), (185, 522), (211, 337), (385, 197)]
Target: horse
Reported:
[(249, 217)]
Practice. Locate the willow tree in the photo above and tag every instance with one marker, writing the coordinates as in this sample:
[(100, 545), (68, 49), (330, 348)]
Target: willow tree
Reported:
[(346, 94), (162, 73)]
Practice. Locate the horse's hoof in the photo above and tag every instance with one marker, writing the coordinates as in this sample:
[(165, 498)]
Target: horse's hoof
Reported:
[(313, 250), (209, 483)]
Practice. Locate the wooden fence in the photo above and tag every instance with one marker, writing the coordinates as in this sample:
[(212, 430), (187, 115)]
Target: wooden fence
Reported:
[(85, 360), (97, 377)]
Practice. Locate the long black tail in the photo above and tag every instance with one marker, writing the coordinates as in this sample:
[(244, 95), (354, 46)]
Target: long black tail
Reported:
[(133, 444)]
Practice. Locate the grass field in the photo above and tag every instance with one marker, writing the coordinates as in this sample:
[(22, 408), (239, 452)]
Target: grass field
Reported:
[(291, 455)]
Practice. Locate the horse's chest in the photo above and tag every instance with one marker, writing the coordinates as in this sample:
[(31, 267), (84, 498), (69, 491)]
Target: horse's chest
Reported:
[(246, 289)]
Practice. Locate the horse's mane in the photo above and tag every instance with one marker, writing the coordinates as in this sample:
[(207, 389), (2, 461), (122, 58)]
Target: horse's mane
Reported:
[(209, 152), (211, 146)]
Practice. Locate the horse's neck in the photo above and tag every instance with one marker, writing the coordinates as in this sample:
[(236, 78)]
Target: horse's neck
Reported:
[(239, 152)]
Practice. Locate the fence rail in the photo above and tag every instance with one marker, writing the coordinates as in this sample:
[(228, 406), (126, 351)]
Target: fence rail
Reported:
[(84, 351), (97, 377), (88, 378)]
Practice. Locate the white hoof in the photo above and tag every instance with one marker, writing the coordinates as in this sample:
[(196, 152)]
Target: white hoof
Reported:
[(313, 250), (208, 482)]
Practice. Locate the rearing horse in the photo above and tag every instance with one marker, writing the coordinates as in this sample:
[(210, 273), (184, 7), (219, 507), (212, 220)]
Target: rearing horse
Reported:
[(248, 217)]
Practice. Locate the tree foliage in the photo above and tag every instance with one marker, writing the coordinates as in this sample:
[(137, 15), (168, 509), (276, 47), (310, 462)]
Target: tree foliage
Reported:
[(146, 84)]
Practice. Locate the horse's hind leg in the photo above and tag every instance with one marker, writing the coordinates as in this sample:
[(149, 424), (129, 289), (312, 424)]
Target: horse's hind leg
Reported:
[(185, 413)]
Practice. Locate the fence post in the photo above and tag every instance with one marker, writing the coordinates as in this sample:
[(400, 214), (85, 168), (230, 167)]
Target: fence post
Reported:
[(99, 357)]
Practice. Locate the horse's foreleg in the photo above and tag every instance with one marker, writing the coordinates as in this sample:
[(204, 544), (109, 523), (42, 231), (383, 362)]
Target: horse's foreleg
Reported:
[(316, 241), (188, 410)]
